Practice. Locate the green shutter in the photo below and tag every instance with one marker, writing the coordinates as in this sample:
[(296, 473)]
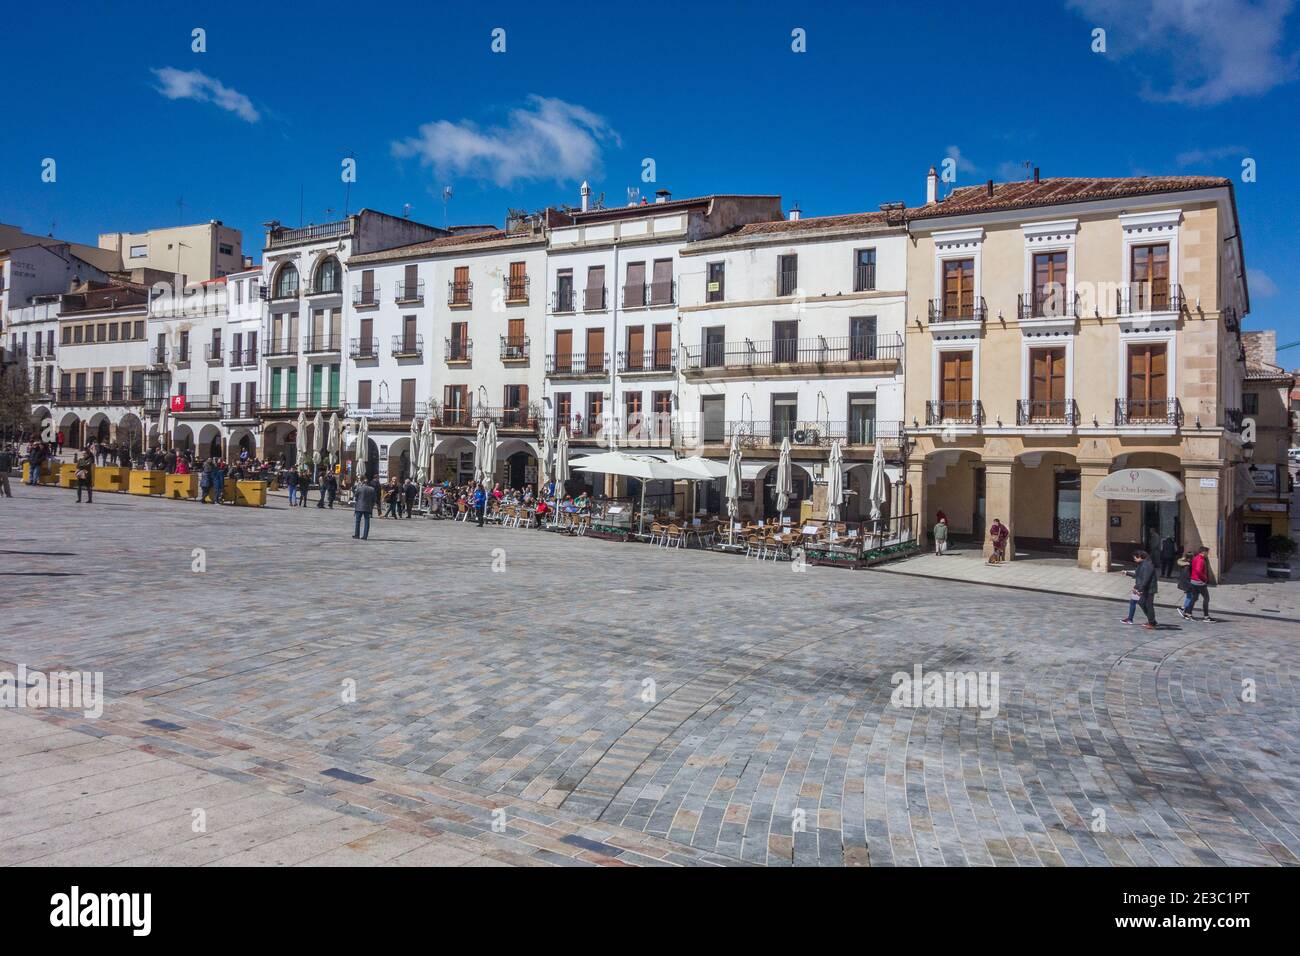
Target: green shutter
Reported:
[(334, 386), (291, 393), (275, 387), (315, 385)]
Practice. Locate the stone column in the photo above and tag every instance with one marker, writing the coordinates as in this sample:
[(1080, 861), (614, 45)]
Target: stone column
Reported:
[(999, 494), (1202, 507), (919, 503), (1094, 517)]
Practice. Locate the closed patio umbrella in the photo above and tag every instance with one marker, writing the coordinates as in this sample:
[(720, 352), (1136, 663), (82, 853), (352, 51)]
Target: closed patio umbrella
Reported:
[(317, 434), (561, 462), (544, 463), (480, 439), (876, 495), (363, 449), (835, 482), (733, 481), (300, 439), (335, 439), (784, 485), (489, 455), (423, 447), (413, 451)]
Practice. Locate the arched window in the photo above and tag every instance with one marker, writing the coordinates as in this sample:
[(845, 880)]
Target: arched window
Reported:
[(329, 276), (286, 282)]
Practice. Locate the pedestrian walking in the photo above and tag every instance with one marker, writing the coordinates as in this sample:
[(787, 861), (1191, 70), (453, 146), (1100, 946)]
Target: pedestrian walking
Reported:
[(941, 536), (1145, 585), (412, 495), (218, 481), (1196, 583), (479, 503), (332, 487), (393, 495), (85, 475), (1168, 556), (998, 534), (363, 502), (6, 464)]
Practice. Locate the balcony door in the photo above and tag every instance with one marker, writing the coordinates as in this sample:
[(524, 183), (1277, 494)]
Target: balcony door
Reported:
[(408, 333), (514, 413), (713, 425), (956, 384), (958, 288), (663, 357), (595, 350), (595, 414), (634, 288), (635, 347), (1050, 284), (563, 350), (785, 341), (365, 344), (1047, 384), (785, 416), (408, 399), (862, 418), (1149, 275), (455, 405), (862, 338), (1148, 381)]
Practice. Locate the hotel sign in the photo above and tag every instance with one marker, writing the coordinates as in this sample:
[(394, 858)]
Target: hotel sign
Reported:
[(1139, 484)]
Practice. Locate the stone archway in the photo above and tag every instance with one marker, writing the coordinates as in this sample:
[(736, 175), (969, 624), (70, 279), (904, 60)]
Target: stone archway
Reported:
[(1046, 507), (209, 445), (69, 431)]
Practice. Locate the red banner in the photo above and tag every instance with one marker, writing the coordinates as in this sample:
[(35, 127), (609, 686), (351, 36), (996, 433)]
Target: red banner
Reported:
[(178, 403)]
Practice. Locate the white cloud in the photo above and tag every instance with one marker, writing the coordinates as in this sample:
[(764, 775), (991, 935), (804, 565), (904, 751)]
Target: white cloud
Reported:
[(1261, 285), (1198, 52), (548, 139), (1204, 157), (963, 165), (196, 85)]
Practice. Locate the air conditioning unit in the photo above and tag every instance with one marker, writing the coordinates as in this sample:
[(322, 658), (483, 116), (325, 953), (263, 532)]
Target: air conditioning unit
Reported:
[(805, 436)]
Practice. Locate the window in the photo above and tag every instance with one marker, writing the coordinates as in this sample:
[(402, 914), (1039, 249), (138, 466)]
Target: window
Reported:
[(226, 249), (862, 338), (1250, 403), (663, 353), (118, 384), (286, 282), (408, 290), (1050, 284), (363, 393), (785, 416), (862, 418), (460, 286), (67, 335), (958, 288), (661, 285), (662, 403), (634, 291), (785, 341), (77, 334), (864, 270), (235, 389), (517, 283), (1047, 384), (408, 399), (563, 350), (139, 252), (595, 350), (458, 344), (595, 414), (956, 385), (409, 334), (564, 290), (239, 291), (593, 299), (715, 346), (368, 288), (1147, 382), (138, 332), (713, 424), (787, 274), (1149, 277), (635, 348), (185, 347), (563, 410), (329, 276), (455, 405), (632, 413), (715, 283), (515, 338), (515, 406), (101, 332)]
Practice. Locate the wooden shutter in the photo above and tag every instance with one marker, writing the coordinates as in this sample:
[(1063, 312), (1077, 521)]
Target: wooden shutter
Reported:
[(363, 393), (635, 346), (408, 333), (595, 349), (661, 286), (563, 350), (408, 398), (634, 291), (957, 382), (410, 281), (663, 346), (958, 287), (367, 334), (368, 285), (515, 333)]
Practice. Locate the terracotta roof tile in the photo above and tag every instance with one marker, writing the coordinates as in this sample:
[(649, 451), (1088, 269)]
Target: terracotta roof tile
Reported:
[(437, 245), (1050, 192), (811, 224)]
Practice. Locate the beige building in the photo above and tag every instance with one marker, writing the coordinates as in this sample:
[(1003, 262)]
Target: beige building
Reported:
[(1061, 330), (1268, 434), (199, 252)]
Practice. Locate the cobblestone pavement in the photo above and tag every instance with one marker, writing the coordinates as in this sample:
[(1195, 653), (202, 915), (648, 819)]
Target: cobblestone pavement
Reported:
[(617, 704)]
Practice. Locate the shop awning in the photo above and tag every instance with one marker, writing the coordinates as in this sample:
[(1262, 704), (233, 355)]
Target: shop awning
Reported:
[(1139, 484)]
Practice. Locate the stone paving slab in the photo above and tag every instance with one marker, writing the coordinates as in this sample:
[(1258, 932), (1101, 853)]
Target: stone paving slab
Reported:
[(607, 704)]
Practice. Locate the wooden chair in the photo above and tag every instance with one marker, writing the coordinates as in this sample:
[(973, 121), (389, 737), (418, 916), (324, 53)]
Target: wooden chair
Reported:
[(657, 532), (674, 537)]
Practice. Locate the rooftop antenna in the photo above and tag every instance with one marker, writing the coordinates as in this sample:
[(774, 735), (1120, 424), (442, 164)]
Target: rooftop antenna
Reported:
[(406, 211), (347, 192), (446, 198), (180, 211), (633, 194), (54, 224)]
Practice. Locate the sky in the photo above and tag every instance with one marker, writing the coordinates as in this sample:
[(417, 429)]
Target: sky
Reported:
[(146, 131)]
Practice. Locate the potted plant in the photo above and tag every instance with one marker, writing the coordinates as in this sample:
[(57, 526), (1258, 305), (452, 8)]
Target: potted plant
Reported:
[(1280, 549)]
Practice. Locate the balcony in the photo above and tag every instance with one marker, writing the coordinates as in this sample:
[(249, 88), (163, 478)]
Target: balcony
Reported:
[(1148, 411), (158, 355), (856, 433), (201, 406), (787, 281), (516, 289), (101, 396), (458, 351), (649, 294), (1048, 304), (647, 362), (514, 350), (792, 356), (1036, 411), (975, 310), (408, 346), (364, 348), (244, 410), (281, 293), (460, 295), (1148, 298), (390, 411), (328, 230), (289, 406), (576, 365), (181, 359), (562, 300), (653, 430), (409, 293), (363, 298), (593, 428), (506, 419), (250, 356), (316, 344), (864, 277), (593, 300), (954, 413), (212, 353)]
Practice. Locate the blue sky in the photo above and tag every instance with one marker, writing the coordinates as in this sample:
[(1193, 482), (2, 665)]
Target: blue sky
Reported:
[(713, 93)]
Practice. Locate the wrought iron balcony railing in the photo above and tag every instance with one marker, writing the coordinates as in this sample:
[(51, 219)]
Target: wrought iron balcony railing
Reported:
[(650, 360), (975, 310), (409, 293), (970, 412), (458, 350), (649, 294), (593, 299), (577, 363), (1148, 411), (364, 298), (821, 350), (389, 411), (364, 347), (514, 349), (562, 300), (1048, 304), (285, 346), (322, 343), (1038, 411), (408, 346), (212, 353), (1144, 298), (516, 288), (460, 293)]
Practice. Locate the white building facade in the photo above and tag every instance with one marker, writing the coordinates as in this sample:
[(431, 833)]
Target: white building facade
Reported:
[(793, 330)]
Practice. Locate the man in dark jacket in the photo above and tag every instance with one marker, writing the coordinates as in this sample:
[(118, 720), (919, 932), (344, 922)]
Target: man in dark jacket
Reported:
[(1168, 555), (6, 464), (85, 475), (363, 502), (1145, 582)]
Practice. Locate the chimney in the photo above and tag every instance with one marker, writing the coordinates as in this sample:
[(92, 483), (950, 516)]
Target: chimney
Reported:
[(794, 212), (1036, 174), (990, 188), (932, 187), (585, 191), (662, 195)]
